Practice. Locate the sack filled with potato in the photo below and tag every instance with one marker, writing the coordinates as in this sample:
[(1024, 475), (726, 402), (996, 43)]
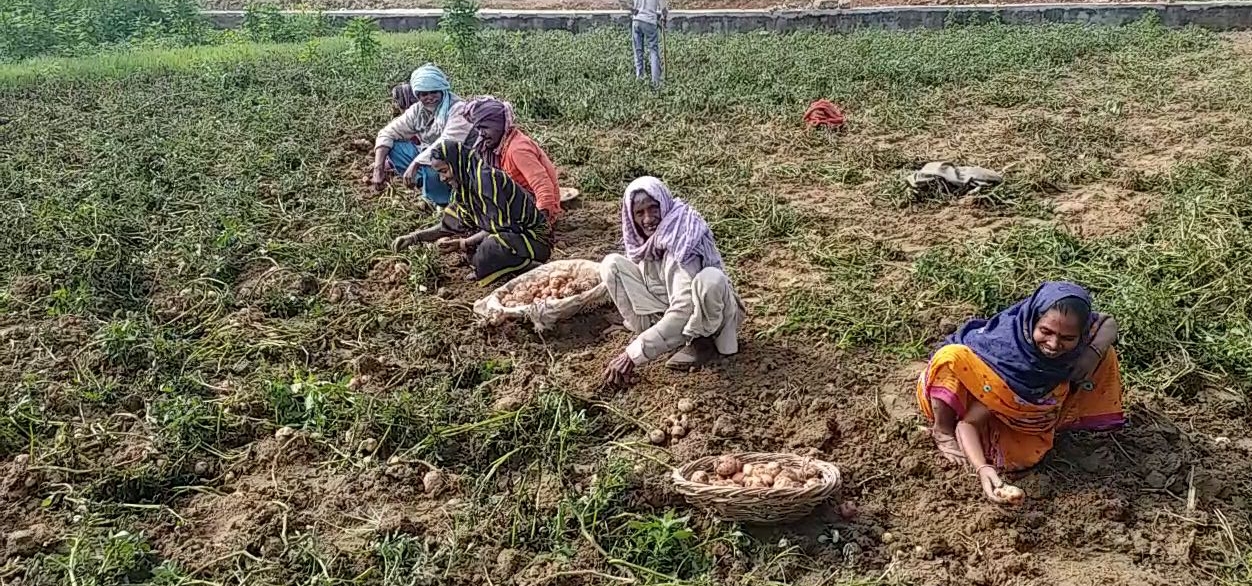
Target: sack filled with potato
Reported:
[(546, 295)]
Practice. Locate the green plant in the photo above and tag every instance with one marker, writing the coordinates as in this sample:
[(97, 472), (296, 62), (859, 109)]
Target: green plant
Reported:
[(363, 43), (409, 561), (460, 24), (170, 573), (187, 422), (101, 558), (310, 403), (29, 28), (126, 342), (267, 23), (23, 419), (663, 543), (69, 301)]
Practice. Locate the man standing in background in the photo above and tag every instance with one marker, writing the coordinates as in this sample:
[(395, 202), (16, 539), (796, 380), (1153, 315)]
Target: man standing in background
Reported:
[(648, 17)]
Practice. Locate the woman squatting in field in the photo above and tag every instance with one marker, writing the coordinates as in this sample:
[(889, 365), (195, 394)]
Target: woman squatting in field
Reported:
[(502, 144), (670, 287), (489, 218), (430, 112), (999, 389)]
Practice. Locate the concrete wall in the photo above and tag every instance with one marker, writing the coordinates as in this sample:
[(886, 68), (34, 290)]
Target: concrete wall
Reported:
[(1217, 16)]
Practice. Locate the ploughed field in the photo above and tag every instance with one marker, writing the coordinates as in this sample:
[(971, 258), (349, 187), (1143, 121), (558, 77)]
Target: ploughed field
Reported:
[(214, 371)]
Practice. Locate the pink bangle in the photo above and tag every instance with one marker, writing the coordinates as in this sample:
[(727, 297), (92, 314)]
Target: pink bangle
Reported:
[(978, 470)]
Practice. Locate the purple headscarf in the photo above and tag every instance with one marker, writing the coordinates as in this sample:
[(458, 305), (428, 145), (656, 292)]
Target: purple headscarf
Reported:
[(682, 233), (1006, 342), (403, 97), (491, 113)]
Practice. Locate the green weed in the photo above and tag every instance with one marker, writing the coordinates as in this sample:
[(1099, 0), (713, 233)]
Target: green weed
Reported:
[(187, 422), (460, 24), (312, 404), (662, 543), (842, 309), (265, 23), (97, 558), (361, 34), (406, 560)]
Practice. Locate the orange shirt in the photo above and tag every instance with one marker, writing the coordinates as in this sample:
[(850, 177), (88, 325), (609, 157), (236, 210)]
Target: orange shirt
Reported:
[(531, 168)]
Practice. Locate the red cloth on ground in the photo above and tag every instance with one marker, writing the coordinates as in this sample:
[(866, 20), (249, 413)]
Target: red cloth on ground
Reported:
[(823, 114)]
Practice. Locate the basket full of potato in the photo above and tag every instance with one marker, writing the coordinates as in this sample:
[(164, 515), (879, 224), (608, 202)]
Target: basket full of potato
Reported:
[(546, 295), (757, 487)]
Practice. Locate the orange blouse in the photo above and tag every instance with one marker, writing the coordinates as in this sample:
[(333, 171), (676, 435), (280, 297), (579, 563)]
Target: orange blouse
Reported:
[(531, 168)]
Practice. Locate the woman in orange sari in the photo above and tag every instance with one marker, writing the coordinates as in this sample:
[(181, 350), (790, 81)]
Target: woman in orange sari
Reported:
[(999, 389)]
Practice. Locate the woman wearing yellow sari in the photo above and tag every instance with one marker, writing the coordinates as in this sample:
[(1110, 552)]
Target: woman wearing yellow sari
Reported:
[(999, 389)]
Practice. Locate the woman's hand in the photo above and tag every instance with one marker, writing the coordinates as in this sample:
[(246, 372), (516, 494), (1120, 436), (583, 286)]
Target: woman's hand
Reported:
[(620, 371), (1086, 365), (471, 243), (997, 490), (969, 434), (449, 244), (1103, 336), (990, 480), (402, 243)]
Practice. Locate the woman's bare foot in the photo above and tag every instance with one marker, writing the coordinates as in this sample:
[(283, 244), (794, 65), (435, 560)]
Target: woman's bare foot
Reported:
[(948, 446)]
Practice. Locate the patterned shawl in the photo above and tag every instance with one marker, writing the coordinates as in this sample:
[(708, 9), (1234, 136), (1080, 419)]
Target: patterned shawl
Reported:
[(485, 197), (682, 233)]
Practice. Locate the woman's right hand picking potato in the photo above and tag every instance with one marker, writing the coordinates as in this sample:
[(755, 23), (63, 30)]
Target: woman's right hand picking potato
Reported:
[(997, 490)]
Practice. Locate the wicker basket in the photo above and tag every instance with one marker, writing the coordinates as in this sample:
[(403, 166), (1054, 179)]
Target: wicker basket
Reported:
[(757, 505)]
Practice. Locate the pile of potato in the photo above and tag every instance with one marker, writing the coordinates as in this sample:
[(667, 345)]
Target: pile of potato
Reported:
[(676, 426), (729, 471), (559, 284)]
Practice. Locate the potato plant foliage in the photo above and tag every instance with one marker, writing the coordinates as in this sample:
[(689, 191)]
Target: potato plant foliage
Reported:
[(195, 289)]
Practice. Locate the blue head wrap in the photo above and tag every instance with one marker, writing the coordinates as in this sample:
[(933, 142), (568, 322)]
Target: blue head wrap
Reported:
[(429, 78), (1006, 342)]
